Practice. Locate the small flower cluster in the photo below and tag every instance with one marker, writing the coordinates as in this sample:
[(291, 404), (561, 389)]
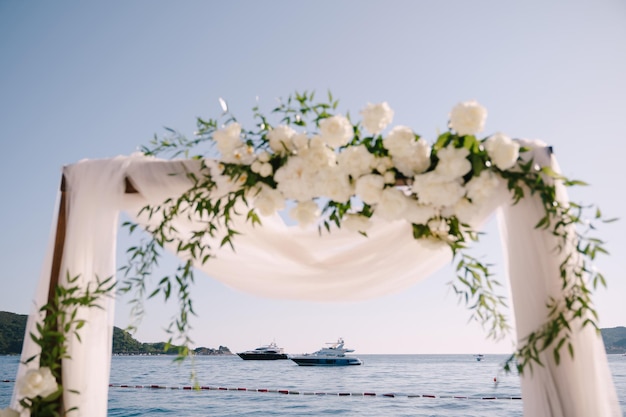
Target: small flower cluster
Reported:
[(337, 163)]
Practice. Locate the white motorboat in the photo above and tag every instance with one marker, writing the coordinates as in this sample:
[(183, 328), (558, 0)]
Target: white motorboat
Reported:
[(332, 355)]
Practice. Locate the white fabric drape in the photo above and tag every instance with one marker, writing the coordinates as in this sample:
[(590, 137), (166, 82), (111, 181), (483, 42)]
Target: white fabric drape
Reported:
[(281, 261), (576, 387)]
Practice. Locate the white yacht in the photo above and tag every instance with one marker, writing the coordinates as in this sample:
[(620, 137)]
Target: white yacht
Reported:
[(264, 353), (332, 355)]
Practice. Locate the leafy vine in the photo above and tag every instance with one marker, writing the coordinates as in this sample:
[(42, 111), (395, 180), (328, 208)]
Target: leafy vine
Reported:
[(371, 167), (41, 388)]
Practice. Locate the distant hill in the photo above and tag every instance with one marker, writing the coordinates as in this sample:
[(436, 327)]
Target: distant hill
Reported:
[(12, 327), (11, 332), (12, 335), (614, 339)]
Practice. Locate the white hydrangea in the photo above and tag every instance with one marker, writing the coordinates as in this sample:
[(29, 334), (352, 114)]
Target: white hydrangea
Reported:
[(336, 131), (376, 117), (502, 150), (468, 118)]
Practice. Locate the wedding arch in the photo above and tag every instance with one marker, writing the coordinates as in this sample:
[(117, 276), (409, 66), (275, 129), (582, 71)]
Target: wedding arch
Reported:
[(395, 209)]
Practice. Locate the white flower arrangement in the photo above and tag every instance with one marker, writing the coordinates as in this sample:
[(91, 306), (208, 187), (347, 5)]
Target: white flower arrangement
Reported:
[(340, 173), (332, 163)]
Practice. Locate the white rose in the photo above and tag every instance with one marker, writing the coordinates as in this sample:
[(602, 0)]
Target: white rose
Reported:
[(370, 187), (409, 156), (356, 222), (392, 204), (502, 150), (376, 117), (418, 213), (37, 382), (468, 118), (305, 212), (382, 164), (453, 162), (465, 211), (399, 139), (233, 130), (336, 131), (415, 160), (334, 184), (481, 188), (300, 141), (390, 177), (356, 161), (268, 200), (432, 189), (294, 179), (228, 139), (280, 139), (318, 156)]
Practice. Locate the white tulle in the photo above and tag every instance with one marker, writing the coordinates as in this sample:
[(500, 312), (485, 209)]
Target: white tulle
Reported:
[(282, 261)]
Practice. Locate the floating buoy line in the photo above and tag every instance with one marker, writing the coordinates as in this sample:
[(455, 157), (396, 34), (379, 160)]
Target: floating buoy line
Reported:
[(320, 393), (296, 392)]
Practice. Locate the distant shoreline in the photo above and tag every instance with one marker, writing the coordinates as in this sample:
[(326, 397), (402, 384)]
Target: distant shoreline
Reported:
[(12, 328)]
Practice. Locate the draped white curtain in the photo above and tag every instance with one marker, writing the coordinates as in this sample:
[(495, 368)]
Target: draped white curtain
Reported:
[(281, 261)]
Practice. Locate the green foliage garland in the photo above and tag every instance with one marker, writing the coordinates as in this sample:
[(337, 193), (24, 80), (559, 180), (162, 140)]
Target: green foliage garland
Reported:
[(252, 163)]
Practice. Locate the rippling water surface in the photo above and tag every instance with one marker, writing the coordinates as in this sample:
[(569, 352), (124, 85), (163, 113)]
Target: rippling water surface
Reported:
[(399, 383)]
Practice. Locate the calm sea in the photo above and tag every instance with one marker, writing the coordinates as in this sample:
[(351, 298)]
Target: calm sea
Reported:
[(404, 385)]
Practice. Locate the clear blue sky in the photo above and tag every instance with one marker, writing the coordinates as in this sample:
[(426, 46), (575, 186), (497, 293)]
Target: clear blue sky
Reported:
[(98, 79)]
